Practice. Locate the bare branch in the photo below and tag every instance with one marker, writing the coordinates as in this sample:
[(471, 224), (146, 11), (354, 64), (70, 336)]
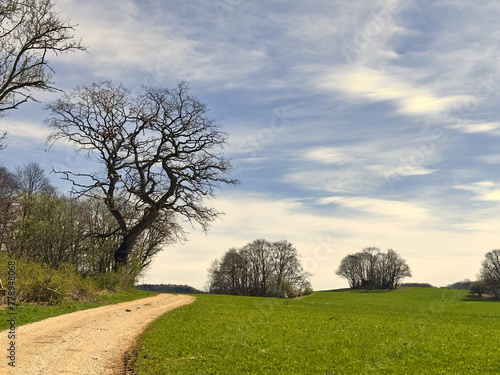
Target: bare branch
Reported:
[(29, 30)]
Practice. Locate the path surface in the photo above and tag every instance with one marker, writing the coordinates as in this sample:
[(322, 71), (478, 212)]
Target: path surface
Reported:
[(93, 341)]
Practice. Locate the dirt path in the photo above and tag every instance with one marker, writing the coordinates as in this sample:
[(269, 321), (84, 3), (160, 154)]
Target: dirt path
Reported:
[(93, 341)]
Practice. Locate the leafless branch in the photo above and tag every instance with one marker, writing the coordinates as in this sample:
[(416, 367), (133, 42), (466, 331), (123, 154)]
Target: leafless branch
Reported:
[(29, 30)]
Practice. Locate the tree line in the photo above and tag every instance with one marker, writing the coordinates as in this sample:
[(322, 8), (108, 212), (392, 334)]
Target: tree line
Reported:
[(39, 223), (260, 268)]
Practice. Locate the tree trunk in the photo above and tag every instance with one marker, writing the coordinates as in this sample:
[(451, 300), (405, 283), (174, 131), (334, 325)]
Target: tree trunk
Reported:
[(124, 250), (129, 240)]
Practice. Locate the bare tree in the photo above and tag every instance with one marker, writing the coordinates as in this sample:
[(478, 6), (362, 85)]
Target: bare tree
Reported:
[(160, 156), (9, 187), (396, 269), (164, 231), (32, 181), (258, 253), (287, 269), (29, 31), (490, 271), (52, 232), (350, 269), (479, 287)]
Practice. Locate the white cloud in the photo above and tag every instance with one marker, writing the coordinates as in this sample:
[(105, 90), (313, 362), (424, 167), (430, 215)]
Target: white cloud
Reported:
[(475, 127), (409, 170), (327, 155), (380, 85), (19, 130), (487, 191), (366, 166)]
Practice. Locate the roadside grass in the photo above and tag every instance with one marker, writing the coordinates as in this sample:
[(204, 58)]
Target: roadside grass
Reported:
[(29, 312), (411, 331)]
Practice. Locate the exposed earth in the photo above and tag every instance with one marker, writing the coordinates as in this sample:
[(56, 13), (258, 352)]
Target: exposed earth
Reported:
[(95, 341)]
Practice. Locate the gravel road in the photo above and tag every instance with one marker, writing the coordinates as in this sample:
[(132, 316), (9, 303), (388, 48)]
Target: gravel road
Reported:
[(94, 341)]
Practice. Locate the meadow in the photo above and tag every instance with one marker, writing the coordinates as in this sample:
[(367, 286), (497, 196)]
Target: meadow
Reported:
[(409, 331)]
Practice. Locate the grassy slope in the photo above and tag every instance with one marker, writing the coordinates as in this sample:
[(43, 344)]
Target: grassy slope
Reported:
[(415, 331), (29, 313)]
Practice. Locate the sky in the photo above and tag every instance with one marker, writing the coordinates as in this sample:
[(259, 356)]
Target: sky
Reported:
[(351, 123)]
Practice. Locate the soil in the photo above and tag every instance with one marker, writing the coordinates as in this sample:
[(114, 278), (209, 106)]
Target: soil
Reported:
[(95, 341)]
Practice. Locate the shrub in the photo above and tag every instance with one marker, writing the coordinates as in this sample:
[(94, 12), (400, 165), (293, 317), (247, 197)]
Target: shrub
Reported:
[(40, 283), (480, 287), (122, 279)]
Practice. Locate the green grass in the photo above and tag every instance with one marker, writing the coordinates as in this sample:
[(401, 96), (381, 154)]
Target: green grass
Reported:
[(413, 331), (29, 313)]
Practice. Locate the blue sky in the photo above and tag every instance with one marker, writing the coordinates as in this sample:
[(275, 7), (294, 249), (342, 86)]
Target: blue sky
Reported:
[(352, 124)]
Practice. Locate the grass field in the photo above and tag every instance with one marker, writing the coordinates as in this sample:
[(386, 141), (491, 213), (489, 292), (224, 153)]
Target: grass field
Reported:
[(413, 331)]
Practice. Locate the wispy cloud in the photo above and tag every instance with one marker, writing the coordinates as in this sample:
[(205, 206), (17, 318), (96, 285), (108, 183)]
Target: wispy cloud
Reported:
[(469, 127), (327, 155), (487, 191), (490, 159), (364, 166), (378, 85), (18, 130), (379, 206), (156, 46)]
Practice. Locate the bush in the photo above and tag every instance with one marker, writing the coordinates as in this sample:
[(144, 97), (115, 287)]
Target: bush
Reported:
[(308, 291), (123, 279), (480, 287), (40, 283)]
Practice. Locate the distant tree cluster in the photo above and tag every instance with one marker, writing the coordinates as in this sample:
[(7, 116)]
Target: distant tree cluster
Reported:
[(168, 288), (260, 268), (371, 269), (464, 284)]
